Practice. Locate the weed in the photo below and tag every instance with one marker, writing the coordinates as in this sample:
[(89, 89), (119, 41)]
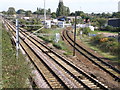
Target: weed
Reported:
[(15, 71)]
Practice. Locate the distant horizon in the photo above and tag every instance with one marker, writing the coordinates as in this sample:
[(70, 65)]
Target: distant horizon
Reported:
[(95, 6)]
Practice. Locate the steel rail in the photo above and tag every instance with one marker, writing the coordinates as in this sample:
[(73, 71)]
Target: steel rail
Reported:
[(66, 61), (87, 54), (64, 85)]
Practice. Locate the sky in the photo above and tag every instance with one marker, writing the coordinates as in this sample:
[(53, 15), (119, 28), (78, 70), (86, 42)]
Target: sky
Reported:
[(88, 6)]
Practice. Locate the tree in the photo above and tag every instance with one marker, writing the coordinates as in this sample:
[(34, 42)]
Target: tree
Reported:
[(4, 12), (72, 14), (20, 11), (40, 11), (79, 13), (28, 13), (53, 15), (62, 10), (102, 22), (84, 16), (116, 15), (86, 30), (106, 15), (67, 11), (49, 11), (11, 11)]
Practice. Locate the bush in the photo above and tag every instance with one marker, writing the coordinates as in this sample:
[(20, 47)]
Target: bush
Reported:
[(86, 30), (106, 44), (112, 29), (96, 39), (46, 39), (57, 45), (113, 48), (112, 39), (54, 26), (103, 40)]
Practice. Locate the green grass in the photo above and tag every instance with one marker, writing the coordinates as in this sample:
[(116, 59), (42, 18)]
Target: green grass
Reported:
[(50, 31), (51, 39), (0, 54), (114, 58), (95, 32), (14, 71)]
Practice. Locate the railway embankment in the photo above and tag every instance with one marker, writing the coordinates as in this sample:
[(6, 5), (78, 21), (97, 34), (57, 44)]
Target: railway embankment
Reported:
[(15, 72)]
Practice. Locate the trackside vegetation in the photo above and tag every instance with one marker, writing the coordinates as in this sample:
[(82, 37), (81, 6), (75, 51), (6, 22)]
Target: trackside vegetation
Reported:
[(0, 54), (106, 44), (51, 39), (109, 47), (15, 71)]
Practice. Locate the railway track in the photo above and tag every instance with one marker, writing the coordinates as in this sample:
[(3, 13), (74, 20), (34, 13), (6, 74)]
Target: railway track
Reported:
[(67, 73), (49, 76), (115, 73), (56, 58)]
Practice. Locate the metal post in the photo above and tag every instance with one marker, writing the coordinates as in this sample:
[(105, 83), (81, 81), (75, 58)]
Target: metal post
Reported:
[(17, 37), (74, 36), (118, 37), (44, 11)]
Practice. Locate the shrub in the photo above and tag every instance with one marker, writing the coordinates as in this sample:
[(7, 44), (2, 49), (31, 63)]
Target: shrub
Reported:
[(106, 44), (103, 40), (96, 39), (57, 45), (54, 26), (86, 30), (112, 29), (112, 39)]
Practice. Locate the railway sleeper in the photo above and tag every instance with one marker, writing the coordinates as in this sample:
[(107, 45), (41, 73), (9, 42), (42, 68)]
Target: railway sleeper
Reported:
[(74, 72), (108, 69), (47, 51), (77, 73), (45, 72), (89, 84), (95, 60)]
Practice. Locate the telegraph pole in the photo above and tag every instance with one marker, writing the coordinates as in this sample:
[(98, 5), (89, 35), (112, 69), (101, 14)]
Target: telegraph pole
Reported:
[(17, 37), (74, 35)]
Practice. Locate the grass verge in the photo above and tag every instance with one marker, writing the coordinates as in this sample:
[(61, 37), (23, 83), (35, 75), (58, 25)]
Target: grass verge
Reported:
[(14, 71), (51, 39), (87, 40), (0, 54)]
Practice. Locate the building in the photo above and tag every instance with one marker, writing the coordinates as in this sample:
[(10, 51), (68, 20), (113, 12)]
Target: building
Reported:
[(115, 22), (61, 24), (72, 18), (119, 6)]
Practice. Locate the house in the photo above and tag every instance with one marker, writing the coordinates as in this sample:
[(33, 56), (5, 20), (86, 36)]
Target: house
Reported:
[(61, 24), (26, 18), (72, 18)]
